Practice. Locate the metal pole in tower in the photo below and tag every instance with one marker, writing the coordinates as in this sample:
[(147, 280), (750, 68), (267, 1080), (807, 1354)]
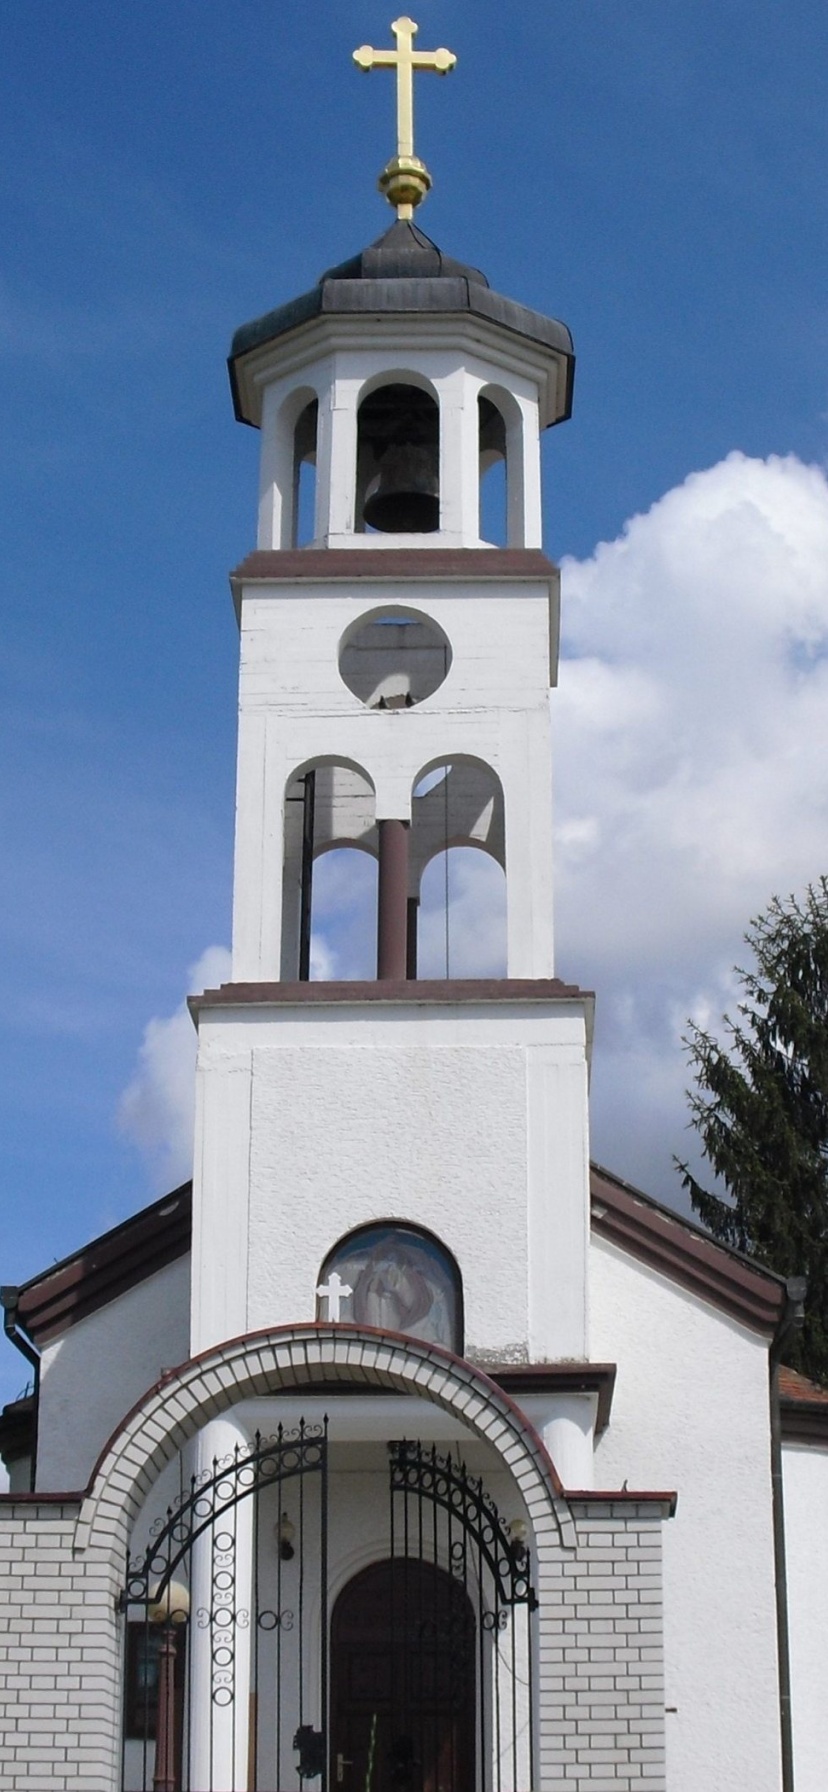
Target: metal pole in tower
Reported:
[(392, 902), (308, 816)]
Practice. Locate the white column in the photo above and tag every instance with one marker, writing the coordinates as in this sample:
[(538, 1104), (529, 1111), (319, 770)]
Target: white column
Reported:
[(221, 1191), (336, 461), (558, 1199), (220, 1642), (566, 1423), (525, 518), (526, 775), (257, 872), (459, 459), (511, 1689), (276, 474)]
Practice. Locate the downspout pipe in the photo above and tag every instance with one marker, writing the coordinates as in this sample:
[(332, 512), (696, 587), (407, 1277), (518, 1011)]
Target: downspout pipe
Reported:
[(10, 1298), (792, 1321)]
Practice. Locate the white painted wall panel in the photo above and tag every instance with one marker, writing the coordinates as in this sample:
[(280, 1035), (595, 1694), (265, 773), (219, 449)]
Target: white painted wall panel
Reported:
[(691, 1412), (805, 1478), (466, 1120), (94, 1373)]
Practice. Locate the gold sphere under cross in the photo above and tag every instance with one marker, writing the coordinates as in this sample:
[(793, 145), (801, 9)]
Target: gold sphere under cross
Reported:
[(405, 180)]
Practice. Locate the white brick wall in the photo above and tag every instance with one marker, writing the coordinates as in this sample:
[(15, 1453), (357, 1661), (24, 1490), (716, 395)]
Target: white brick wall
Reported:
[(60, 1655), (601, 1653)]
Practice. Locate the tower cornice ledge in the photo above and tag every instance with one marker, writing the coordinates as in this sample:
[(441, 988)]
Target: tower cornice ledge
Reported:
[(293, 565), (443, 991)]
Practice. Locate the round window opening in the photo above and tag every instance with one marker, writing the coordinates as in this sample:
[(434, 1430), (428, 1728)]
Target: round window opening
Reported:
[(393, 659)]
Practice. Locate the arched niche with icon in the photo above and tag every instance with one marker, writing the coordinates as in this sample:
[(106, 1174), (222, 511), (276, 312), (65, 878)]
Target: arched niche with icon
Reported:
[(396, 1278)]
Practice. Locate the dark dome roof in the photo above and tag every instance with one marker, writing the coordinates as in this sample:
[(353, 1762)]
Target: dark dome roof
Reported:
[(402, 273), (403, 253)]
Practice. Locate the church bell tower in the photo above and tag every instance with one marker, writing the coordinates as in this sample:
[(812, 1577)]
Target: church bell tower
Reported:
[(394, 696)]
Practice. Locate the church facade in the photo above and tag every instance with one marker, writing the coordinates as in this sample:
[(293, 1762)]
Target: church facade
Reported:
[(403, 1448)]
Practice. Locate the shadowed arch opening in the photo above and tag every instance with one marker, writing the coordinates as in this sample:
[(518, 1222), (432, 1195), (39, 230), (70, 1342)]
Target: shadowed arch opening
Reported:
[(502, 468), (330, 815), (304, 475), (398, 457), (294, 466)]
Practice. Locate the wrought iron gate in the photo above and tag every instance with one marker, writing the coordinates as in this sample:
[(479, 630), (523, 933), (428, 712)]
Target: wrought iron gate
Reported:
[(442, 1513), (229, 1649), (228, 1579)]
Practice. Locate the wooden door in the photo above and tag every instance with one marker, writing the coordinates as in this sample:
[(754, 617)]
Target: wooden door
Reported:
[(402, 1681)]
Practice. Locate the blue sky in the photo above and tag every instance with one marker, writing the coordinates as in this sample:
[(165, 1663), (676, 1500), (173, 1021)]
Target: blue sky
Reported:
[(655, 174)]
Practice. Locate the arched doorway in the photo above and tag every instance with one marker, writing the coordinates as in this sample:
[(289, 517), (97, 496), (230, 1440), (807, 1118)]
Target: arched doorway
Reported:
[(403, 1681)]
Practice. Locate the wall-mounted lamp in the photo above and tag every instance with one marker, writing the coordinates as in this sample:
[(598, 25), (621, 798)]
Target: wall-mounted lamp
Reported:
[(285, 1533), (169, 1604), (519, 1538)]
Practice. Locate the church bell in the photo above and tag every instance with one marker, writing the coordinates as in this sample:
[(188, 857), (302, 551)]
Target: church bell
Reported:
[(404, 496), (400, 437)]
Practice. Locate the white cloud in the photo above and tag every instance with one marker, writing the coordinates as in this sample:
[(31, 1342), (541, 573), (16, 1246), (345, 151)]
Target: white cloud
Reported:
[(692, 746), (156, 1108)]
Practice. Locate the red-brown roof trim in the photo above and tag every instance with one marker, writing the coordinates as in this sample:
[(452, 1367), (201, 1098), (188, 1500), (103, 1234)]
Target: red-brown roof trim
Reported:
[(681, 1251), (665, 1503), (803, 1409), (291, 565), (559, 1378), (803, 1423)]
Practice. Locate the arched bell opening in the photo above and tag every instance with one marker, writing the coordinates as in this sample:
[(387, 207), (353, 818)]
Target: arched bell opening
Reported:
[(394, 658), (503, 496), (328, 911), (457, 872), (494, 525), (398, 460), (304, 475)]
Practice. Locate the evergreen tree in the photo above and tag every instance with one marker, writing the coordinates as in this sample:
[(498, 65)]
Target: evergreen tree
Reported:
[(761, 1108)]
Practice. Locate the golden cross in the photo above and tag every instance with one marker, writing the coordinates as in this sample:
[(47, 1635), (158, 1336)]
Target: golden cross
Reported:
[(405, 180)]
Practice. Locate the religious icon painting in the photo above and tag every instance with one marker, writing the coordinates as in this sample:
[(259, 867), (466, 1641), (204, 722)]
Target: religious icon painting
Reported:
[(395, 1279)]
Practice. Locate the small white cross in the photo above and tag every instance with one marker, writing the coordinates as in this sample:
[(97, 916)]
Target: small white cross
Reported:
[(334, 1291)]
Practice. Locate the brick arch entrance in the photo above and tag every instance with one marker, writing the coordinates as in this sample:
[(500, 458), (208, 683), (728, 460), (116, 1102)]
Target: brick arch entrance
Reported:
[(292, 1357)]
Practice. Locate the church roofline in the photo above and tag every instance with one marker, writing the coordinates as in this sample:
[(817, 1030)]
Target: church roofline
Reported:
[(159, 1234), (682, 1251), (106, 1267)]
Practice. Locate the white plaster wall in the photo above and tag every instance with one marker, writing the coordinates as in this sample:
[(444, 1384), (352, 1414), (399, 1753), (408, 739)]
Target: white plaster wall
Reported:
[(805, 1479), (94, 1373), (493, 705), (467, 1119), (691, 1412)]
